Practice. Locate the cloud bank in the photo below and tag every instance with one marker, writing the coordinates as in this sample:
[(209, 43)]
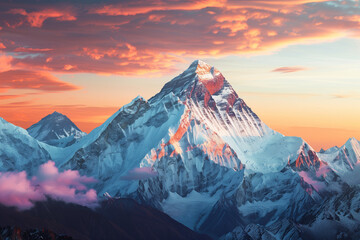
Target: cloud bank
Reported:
[(16, 189), (25, 79), (138, 37)]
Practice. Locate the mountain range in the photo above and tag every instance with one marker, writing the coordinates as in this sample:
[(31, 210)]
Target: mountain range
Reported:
[(197, 152)]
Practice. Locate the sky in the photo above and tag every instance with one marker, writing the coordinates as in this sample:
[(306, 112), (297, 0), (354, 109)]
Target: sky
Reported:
[(294, 62)]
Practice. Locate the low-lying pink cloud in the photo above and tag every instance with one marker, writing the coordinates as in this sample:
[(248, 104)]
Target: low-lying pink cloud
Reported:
[(318, 186), (140, 174), (16, 189)]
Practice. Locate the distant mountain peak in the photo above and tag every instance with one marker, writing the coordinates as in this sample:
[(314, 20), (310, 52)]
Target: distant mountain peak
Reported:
[(53, 127)]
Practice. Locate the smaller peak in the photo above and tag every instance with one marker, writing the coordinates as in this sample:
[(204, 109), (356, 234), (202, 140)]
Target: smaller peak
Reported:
[(352, 140), (55, 113)]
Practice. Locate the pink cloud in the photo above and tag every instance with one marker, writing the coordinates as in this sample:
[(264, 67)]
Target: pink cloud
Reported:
[(37, 18), (5, 62), (289, 69), (16, 189), (140, 6), (318, 186), (30, 50), (140, 174)]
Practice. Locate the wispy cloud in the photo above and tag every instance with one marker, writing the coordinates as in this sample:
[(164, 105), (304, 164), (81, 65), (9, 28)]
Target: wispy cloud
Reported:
[(289, 69), (343, 96), (5, 97), (25, 79)]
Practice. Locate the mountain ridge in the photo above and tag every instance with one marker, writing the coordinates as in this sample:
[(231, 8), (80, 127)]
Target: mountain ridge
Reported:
[(197, 152)]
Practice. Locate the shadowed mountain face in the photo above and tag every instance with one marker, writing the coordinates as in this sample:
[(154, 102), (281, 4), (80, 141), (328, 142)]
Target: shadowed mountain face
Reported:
[(113, 219), (56, 129)]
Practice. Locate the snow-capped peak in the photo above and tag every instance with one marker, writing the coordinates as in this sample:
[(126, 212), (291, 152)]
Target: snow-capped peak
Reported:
[(209, 76), (198, 78), (353, 145), (53, 127)]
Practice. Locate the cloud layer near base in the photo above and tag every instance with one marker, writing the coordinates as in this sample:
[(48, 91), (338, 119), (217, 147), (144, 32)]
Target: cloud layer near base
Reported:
[(16, 189)]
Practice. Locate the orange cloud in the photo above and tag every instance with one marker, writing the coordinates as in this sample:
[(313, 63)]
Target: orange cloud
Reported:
[(68, 67), (37, 18), (271, 5), (5, 97), (140, 7), (5, 62), (136, 37), (24, 79), (123, 58), (30, 50), (289, 69)]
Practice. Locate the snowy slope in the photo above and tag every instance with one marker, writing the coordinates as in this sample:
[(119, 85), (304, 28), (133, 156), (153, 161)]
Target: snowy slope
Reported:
[(197, 152), (56, 129), (344, 160), (196, 139), (18, 150)]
